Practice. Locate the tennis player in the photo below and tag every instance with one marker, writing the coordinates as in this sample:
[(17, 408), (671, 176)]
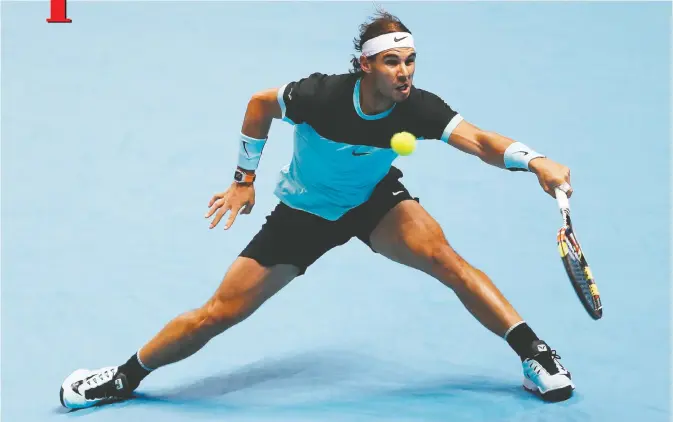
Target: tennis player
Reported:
[(341, 184)]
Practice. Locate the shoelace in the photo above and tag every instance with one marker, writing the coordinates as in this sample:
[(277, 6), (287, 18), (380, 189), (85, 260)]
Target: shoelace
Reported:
[(548, 361), (98, 385), (556, 357), (101, 378)]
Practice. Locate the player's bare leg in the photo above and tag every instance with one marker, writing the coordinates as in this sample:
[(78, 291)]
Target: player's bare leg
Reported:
[(245, 287), (409, 235)]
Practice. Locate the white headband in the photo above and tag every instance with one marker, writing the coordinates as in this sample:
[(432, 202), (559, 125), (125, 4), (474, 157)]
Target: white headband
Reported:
[(386, 42)]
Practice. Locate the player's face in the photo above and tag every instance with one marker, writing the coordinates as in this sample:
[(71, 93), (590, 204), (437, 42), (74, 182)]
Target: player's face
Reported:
[(394, 71)]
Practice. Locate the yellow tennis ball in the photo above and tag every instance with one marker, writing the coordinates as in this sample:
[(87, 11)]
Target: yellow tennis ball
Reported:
[(403, 143)]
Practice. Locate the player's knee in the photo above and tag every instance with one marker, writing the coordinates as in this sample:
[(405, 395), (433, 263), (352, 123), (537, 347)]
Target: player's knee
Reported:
[(444, 262), (448, 266), (220, 314), (438, 257), (455, 272), (430, 244)]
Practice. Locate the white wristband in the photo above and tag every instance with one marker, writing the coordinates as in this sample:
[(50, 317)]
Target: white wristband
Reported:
[(517, 156), (249, 152)]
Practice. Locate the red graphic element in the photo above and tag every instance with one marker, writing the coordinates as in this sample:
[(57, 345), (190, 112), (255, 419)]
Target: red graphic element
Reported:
[(58, 12)]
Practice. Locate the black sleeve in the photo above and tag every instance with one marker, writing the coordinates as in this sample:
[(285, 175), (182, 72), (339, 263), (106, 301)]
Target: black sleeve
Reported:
[(300, 99), (430, 115)]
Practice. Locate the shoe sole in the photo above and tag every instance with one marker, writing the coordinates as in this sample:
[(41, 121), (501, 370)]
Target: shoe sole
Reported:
[(552, 396)]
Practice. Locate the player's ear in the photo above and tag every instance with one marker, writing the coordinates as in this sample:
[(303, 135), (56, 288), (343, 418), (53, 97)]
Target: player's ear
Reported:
[(365, 64)]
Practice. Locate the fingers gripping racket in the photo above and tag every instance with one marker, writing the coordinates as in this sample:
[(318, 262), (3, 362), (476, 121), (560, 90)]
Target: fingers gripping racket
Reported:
[(575, 261)]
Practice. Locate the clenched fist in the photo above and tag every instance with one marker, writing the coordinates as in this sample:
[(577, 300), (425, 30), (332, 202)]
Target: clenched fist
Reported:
[(550, 174)]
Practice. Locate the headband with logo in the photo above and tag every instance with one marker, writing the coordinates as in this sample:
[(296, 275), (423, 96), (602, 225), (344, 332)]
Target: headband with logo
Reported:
[(386, 42)]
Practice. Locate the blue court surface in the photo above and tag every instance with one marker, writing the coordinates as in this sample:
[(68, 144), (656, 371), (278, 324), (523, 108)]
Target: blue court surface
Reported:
[(119, 127)]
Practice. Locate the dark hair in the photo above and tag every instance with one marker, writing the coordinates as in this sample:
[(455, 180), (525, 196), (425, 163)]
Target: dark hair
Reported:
[(382, 23)]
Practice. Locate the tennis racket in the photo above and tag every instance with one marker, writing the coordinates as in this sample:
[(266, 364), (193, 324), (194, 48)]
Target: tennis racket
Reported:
[(575, 262)]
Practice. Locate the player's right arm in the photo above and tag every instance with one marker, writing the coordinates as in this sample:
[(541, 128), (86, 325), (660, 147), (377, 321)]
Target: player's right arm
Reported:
[(262, 108), (294, 102)]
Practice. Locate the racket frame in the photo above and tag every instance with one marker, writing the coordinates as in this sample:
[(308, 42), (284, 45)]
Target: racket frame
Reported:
[(566, 235)]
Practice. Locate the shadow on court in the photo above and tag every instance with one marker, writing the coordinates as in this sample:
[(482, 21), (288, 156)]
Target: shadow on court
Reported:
[(341, 383)]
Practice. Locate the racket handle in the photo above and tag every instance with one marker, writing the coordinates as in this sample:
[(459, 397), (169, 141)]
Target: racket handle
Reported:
[(562, 200)]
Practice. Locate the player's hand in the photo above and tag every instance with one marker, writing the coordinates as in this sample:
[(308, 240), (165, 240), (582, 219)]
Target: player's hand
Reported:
[(238, 198), (550, 174)]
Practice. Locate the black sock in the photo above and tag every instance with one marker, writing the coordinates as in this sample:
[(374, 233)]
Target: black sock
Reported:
[(520, 339), (134, 371)]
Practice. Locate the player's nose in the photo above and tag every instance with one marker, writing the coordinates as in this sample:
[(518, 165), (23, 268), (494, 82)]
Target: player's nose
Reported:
[(403, 74)]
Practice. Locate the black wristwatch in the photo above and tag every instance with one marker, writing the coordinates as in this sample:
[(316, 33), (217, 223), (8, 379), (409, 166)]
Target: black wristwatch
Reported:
[(243, 177)]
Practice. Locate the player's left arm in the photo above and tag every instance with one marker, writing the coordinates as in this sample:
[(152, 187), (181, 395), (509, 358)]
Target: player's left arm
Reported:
[(503, 152)]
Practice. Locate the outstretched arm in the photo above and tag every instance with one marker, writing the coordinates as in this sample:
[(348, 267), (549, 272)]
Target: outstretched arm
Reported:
[(503, 152)]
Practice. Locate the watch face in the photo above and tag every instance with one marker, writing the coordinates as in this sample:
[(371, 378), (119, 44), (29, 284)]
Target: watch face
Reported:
[(238, 176)]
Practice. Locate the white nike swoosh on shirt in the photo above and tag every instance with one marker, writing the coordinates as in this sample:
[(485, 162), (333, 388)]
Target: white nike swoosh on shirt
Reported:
[(397, 193)]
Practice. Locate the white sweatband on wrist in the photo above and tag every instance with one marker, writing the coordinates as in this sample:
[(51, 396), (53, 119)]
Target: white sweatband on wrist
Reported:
[(517, 156), (249, 152), (386, 42)]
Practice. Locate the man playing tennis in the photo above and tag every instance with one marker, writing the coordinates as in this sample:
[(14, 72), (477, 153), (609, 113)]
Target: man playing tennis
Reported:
[(341, 184)]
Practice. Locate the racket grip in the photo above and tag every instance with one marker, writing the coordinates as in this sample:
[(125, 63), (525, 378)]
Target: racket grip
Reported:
[(562, 200)]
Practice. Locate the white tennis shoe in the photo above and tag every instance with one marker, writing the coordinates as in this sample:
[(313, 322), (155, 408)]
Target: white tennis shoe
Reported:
[(86, 388), (544, 375)]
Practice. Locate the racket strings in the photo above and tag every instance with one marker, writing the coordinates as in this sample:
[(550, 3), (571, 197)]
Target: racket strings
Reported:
[(575, 265), (574, 253), (578, 270)]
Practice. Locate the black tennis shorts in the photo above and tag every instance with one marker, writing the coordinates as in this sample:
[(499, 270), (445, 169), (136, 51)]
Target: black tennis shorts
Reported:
[(299, 238)]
